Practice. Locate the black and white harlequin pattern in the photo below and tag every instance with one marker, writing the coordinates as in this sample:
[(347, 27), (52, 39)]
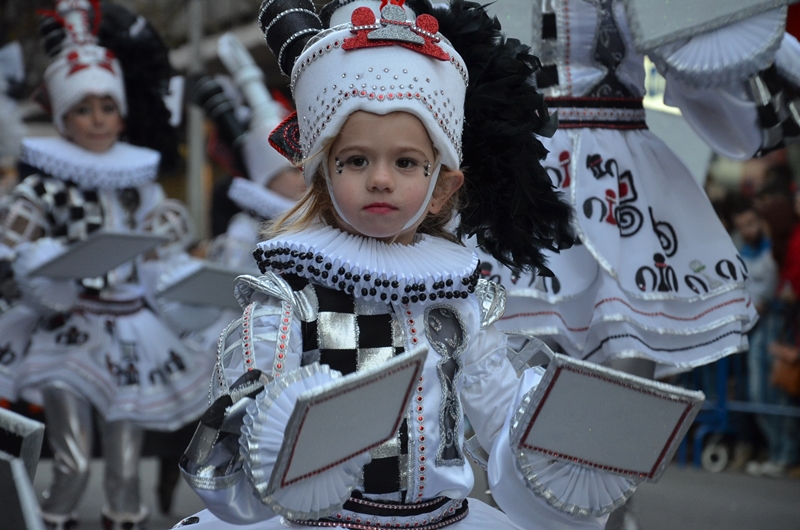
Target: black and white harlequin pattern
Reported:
[(351, 335)]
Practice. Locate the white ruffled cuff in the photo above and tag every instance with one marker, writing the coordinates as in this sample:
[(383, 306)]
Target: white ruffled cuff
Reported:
[(44, 294), (262, 437), (724, 56)]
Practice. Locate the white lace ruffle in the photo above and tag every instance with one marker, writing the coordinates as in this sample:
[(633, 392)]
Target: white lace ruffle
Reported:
[(724, 56), (262, 437), (571, 488), (122, 166), (262, 201), (45, 294), (428, 268)]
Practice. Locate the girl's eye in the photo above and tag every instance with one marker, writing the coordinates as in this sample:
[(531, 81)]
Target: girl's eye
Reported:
[(109, 108), (82, 110), (357, 161), (407, 163)]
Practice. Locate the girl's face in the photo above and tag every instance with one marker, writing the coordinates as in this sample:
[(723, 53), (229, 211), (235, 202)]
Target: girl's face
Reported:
[(94, 123), (377, 166)]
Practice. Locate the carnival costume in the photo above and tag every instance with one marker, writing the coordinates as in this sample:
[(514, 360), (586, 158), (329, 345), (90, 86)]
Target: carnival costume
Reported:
[(330, 303), (93, 342), (656, 276)]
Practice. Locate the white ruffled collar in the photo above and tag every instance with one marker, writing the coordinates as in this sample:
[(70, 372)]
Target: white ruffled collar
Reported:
[(251, 196), (428, 269), (122, 166)]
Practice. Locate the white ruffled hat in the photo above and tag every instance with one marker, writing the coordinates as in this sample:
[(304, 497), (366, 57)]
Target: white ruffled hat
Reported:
[(82, 68), (381, 62)]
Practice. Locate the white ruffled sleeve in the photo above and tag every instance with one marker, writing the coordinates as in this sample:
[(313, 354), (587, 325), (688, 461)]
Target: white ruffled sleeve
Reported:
[(709, 77), (489, 386), (725, 118)]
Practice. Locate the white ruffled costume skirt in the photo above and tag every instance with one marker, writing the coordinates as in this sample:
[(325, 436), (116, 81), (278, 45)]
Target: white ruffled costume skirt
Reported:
[(130, 367), (16, 326), (656, 275)]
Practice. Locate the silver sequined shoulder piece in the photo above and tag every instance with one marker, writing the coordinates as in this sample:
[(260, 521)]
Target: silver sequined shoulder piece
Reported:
[(492, 300), (303, 301), (245, 286)]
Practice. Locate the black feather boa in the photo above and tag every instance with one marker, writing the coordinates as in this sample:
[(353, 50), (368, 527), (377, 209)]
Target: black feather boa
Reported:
[(511, 207), (145, 65)]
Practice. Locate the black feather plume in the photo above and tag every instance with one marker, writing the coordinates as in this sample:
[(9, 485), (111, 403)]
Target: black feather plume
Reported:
[(145, 65), (511, 207)]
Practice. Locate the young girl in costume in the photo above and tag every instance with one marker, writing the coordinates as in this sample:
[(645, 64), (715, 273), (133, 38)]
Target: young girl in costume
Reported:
[(390, 108), (93, 343)]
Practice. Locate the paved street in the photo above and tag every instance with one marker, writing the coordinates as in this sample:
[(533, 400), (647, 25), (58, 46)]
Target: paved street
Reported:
[(685, 499)]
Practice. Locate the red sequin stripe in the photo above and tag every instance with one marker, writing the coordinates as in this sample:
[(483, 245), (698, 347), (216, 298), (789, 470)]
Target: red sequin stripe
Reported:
[(419, 430), (282, 342), (247, 338)]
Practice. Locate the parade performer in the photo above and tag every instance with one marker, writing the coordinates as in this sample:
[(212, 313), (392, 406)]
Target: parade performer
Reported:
[(264, 184), (93, 343), (390, 107), (656, 283), (268, 184)]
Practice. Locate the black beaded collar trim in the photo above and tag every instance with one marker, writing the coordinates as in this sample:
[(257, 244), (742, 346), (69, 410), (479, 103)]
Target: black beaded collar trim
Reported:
[(369, 285)]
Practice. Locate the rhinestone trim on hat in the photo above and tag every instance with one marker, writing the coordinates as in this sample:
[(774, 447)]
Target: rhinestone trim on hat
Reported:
[(292, 10), (435, 107), (322, 50)]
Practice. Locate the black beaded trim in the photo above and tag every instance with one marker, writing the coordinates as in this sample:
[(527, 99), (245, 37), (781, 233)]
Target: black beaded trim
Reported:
[(453, 515), (319, 269), (393, 509)]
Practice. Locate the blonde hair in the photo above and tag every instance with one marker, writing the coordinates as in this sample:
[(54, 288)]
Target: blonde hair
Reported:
[(316, 205)]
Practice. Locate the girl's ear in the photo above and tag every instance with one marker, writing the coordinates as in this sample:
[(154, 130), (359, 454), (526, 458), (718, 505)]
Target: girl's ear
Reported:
[(449, 183)]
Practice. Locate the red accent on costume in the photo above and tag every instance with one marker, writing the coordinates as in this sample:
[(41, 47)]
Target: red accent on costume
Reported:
[(364, 16)]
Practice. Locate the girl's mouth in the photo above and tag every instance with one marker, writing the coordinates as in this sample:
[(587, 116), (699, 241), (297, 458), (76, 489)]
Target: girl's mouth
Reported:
[(379, 207)]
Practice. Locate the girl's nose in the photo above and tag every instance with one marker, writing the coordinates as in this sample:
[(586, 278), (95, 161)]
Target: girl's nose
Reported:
[(381, 177), (98, 116)]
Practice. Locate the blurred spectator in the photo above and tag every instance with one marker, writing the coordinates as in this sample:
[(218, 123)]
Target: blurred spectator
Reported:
[(750, 234), (778, 318), (756, 251), (774, 202)]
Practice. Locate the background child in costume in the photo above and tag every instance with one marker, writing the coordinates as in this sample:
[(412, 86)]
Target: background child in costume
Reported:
[(265, 184), (94, 344), (365, 268)]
